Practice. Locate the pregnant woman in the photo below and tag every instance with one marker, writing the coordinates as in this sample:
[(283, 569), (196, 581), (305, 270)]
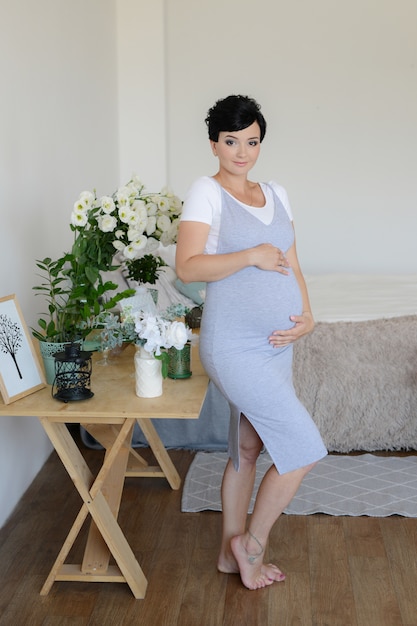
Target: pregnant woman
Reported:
[(238, 236)]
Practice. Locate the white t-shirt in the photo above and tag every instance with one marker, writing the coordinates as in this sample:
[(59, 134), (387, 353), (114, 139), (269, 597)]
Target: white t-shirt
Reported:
[(203, 204)]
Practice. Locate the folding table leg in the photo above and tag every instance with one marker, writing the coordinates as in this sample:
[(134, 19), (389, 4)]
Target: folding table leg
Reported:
[(128, 569), (160, 452), (66, 547), (110, 481)]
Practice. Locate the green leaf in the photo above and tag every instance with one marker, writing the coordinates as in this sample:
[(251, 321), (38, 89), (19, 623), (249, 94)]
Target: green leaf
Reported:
[(91, 273), (164, 357)]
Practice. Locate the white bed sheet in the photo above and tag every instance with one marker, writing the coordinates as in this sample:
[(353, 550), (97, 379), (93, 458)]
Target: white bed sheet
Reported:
[(361, 297)]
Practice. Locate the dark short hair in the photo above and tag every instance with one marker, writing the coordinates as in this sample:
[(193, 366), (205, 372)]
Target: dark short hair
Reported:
[(234, 113)]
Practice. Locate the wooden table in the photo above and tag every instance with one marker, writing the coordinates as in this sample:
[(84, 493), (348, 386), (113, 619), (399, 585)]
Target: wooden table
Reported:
[(110, 417)]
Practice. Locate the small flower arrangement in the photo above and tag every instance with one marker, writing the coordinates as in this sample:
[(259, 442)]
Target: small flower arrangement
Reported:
[(156, 333)]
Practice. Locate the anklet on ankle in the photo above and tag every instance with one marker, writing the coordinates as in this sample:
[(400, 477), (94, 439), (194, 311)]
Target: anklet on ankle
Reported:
[(252, 558)]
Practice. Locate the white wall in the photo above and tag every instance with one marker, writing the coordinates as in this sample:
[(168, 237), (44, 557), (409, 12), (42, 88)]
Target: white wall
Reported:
[(58, 136), (338, 85), (141, 91)]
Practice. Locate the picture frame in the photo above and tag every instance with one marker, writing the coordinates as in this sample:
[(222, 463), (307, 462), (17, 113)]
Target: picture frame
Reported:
[(20, 370)]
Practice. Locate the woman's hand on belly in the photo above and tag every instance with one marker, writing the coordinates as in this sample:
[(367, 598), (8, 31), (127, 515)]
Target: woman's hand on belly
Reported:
[(303, 324), (268, 257)]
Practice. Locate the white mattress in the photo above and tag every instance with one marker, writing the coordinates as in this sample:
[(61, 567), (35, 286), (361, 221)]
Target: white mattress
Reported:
[(360, 297)]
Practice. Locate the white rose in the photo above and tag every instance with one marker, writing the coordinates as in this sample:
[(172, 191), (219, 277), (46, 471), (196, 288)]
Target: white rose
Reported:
[(107, 204), (133, 233), (125, 214), (163, 222), (175, 203), (139, 206), (163, 204), (78, 217), (177, 335), (132, 219), (107, 223), (87, 198), (119, 245), (141, 223), (123, 195), (129, 252), (139, 243), (151, 208), (151, 225)]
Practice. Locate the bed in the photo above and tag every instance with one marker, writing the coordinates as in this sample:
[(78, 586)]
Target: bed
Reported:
[(356, 373)]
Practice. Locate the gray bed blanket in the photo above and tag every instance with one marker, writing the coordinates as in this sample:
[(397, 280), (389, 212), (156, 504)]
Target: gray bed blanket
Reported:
[(359, 382)]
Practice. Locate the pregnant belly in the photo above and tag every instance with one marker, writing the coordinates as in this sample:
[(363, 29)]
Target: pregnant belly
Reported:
[(243, 312)]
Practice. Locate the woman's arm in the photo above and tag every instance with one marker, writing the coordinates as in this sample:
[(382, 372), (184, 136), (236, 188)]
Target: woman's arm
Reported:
[(193, 265)]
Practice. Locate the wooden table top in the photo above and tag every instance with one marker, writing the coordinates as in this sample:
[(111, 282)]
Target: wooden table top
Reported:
[(114, 397)]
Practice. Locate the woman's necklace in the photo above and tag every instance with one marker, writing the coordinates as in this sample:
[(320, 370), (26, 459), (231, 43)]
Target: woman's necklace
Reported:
[(239, 196)]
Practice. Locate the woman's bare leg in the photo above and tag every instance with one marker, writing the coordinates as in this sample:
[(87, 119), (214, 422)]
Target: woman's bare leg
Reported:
[(275, 493), (236, 493), (242, 550)]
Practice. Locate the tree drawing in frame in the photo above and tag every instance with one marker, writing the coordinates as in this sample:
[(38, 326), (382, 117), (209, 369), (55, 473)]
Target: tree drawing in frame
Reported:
[(11, 338), (20, 370)]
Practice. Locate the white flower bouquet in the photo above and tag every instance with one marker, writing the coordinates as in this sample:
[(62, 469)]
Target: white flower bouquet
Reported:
[(131, 221)]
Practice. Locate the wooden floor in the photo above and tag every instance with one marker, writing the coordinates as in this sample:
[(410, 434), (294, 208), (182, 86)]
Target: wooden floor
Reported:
[(340, 570)]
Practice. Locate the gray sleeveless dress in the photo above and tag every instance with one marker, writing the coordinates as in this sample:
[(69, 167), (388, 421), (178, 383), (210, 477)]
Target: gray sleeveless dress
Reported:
[(240, 312)]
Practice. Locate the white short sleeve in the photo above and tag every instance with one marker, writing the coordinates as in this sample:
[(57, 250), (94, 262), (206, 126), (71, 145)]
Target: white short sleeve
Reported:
[(203, 203), (282, 195)]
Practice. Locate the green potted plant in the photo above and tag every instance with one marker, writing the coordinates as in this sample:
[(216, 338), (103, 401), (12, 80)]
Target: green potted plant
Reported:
[(72, 302)]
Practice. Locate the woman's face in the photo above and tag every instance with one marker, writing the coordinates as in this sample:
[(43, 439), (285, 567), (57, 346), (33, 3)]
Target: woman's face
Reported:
[(238, 150)]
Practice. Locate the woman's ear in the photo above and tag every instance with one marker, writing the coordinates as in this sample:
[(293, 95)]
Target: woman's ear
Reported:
[(213, 145)]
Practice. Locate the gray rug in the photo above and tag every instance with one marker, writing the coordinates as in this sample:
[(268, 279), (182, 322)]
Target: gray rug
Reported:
[(377, 486)]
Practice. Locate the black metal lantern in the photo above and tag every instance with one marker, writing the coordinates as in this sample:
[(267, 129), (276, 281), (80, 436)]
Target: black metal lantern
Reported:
[(72, 374)]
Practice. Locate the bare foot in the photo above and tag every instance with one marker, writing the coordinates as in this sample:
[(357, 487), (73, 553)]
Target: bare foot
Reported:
[(227, 564), (273, 572), (254, 574)]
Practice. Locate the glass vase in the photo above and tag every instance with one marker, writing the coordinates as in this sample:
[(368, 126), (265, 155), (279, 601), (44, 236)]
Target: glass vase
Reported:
[(179, 364)]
